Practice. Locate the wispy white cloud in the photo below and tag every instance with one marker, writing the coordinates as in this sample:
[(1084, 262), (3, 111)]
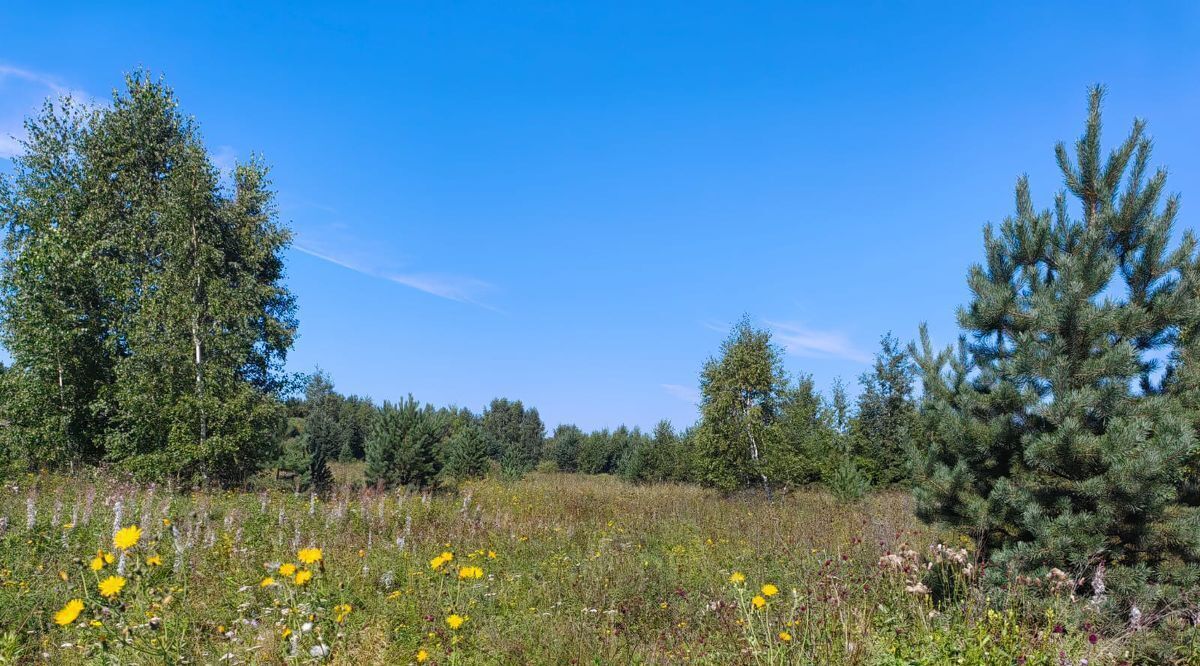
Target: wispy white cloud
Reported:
[(45, 80), (685, 393), (801, 340), (463, 289), (225, 159), (21, 91)]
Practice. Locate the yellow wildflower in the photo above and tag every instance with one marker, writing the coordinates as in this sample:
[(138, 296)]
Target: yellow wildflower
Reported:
[(785, 636), (769, 590), (266, 582), (303, 576), (737, 577), (112, 586), (422, 656), (127, 537), (470, 572), (62, 575), (758, 602), (455, 621), (109, 558), (286, 632), (287, 569), (154, 560), (340, 612), (97, 563), (309, 555), (440, 560), (491, 554), (69, 613)]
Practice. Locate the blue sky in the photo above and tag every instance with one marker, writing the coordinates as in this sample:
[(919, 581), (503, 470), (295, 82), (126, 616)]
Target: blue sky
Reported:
[(569, 203)]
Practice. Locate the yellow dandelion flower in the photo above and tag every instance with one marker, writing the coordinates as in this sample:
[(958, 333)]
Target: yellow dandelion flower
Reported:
[(491, 554), (166, 522), (287, 569), (97, 563), (470, 572), (422, 656), (455, 621), (309, 555), (62, 575), (769, 590), (154, 560), (127, 537), (341, 611), (109, 558), (785, 636), (69, 613), (758, 602), (267, 582), (112, 586), (448, 556), (286, 632), (737, 577), (303, 576)]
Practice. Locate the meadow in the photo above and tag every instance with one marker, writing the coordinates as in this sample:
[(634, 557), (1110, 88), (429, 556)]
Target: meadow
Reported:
[(549, 569)]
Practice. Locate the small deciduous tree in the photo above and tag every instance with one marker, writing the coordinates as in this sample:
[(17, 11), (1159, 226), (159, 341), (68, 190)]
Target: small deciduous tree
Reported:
[(741, 392)]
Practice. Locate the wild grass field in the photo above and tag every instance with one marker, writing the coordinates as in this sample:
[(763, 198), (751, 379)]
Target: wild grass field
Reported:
[(551, 569)]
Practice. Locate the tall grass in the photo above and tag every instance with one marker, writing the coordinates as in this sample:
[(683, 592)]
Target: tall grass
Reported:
[(573, 570)]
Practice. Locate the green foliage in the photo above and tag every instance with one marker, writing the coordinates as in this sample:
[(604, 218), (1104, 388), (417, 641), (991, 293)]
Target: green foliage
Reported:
[(323, 434), (467, 454), (141, 299), (596, 453), (742, 394), (401, 449), (847, 482), (517, 434), (358, 417), (1062, 429), (563, 447), (887, 416), (801, 441)]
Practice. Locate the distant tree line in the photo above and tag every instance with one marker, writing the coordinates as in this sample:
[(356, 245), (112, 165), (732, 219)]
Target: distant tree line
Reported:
[(406, 443)]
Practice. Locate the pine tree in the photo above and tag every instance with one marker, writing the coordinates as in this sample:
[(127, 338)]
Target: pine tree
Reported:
[(400, 450), (886, 418), (466, 454), (323, 433), (741, 394), (1059, 432)]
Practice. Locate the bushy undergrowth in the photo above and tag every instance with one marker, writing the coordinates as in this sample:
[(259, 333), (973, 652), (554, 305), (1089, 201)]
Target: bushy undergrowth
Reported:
[(552, 569)]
